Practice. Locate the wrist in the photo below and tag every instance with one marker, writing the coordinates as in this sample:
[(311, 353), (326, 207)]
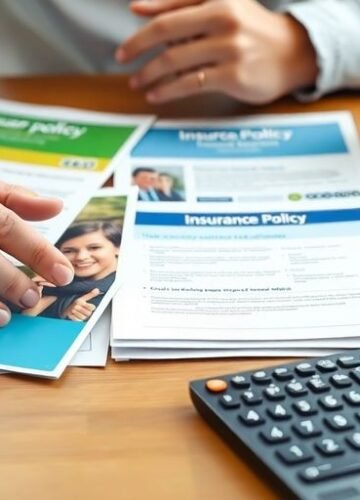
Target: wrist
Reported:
[(298, 55)]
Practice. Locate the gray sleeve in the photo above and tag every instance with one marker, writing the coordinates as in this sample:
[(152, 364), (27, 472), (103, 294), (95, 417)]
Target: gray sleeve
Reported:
[(334, 30)]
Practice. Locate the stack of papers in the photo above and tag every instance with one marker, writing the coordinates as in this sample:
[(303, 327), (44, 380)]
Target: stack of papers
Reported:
[(239, 237), (257, 253)]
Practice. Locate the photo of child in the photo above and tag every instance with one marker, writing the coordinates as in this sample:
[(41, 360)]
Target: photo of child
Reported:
[(92, 245)]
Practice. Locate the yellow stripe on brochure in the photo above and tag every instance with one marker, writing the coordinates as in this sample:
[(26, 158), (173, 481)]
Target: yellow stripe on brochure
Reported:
[(56, 160)]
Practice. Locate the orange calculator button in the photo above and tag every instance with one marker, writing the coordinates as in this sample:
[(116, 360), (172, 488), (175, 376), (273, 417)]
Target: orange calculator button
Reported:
[(216, 385)]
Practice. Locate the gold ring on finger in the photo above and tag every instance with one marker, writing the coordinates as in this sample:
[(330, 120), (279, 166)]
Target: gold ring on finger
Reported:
[(201, 78)]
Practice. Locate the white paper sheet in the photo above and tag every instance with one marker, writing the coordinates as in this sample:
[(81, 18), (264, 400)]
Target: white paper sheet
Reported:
[(94, 350), (235, 272), (326, 343), (120, 354)]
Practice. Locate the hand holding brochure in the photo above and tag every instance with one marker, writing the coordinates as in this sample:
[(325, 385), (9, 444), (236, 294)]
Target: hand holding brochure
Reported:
[(43, 340)]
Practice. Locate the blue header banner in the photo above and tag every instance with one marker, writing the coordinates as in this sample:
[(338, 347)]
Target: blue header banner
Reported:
[(242, 142), (285, 218)]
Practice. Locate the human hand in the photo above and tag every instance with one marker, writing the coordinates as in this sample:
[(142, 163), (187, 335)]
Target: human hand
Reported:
[(21, 241), (80, 309), (237, 47)]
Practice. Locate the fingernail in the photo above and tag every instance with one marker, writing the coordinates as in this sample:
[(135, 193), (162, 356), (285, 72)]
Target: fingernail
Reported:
[(62, 275), (30, 298), (120, 55), (51, 198), (4, 317)]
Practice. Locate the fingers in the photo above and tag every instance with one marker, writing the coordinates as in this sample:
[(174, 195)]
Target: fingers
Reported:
[(27, 204), (153, 7), (204, 80), (90, 295), (16, 287), (75, 317), (182, 57), (4, 315), (81, 310), (230, 78), (168, 28), (20, 240)]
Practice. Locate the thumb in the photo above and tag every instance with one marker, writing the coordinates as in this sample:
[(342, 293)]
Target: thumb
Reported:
[(91, 295)]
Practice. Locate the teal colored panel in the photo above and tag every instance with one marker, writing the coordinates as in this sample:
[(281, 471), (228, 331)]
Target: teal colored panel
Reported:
[(36, 343)]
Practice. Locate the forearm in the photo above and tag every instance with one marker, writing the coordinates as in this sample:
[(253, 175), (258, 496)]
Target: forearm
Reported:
[(333, 27)]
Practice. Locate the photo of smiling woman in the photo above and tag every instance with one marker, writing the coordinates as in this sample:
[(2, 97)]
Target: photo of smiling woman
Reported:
[(93, 249)]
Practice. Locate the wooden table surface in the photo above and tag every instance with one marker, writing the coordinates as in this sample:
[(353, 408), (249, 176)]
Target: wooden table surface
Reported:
[(128, 432)]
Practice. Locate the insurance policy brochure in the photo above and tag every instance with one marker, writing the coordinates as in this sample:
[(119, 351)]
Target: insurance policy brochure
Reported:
[(239, 272), (297, 157), (43, 340), (63, 152)]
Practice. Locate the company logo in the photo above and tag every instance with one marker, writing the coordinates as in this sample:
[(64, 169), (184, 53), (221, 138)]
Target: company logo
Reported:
[(326, 195), (295, 196)]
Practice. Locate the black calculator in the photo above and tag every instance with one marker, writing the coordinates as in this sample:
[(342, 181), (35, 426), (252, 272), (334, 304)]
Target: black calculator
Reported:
[(299, 421)]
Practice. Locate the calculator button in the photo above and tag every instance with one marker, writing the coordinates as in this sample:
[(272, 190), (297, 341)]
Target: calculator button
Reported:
[(278, 412), (283, 374), (251, 418), (249, 397), (216, 385), (338, 423), (306, 428), (354, 440), (304, 408), (317, 384), (274, 392), (348, 362), (324, 471), (329, 402), (295, 388), (274, 435), (326, 365), (357, 415), (355, 374), (240, 382), (229, 401), (340, 380), (352, 397), (261, 377), (305, 369), (294, 454), (329, 447)]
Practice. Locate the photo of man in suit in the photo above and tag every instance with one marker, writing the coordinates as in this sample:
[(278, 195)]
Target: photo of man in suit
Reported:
[(146, 179), (155, 186)]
